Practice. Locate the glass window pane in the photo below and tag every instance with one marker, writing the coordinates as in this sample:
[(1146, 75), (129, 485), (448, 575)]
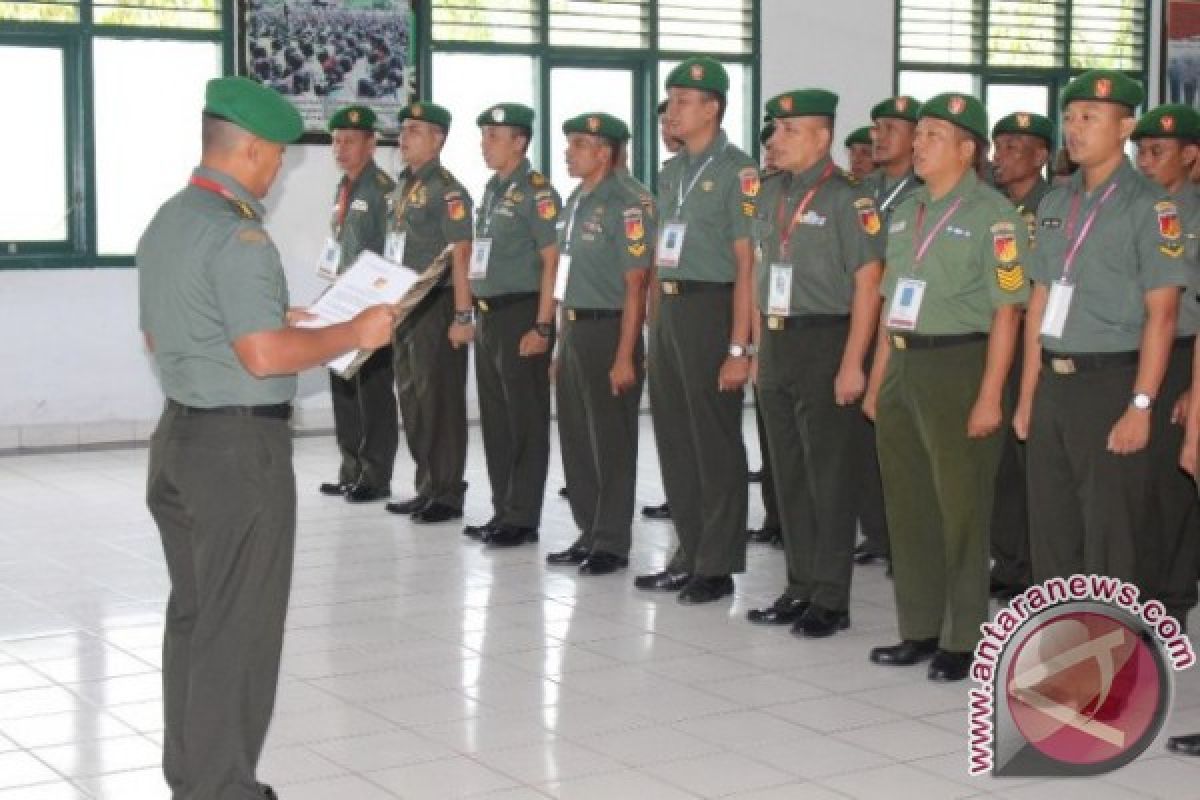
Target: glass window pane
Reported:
[(924, 85), (458, 87), (740, 120), (607, 90), (706, 26), (40, 10), (1009, 98), (1027, 33), (33, 156), (202, 14), (600, 23), (508, 21), (941, 31), (147, 130), (1108, 34)]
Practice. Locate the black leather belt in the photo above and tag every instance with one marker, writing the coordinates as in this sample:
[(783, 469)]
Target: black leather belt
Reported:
[(276, 411), (775, 322), (1183, 341), (1070, 363), (691, 287), (499, 301), (576, 314), (921, 341)]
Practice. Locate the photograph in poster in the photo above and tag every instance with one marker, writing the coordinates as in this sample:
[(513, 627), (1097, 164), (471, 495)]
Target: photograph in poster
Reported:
[(1181, 53), (325, 54)]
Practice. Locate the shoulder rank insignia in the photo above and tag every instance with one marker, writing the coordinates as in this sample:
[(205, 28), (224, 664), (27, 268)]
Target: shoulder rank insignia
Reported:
[(868, 217), (1168, 220), (635, 229), (748, 180), (243, 208), (545, 206), (1010, 278), (385, 182), (849, 177), (1004, 242), (536, 179)]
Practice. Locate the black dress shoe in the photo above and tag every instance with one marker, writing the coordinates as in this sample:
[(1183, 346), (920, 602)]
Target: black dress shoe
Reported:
[(657, 512), (602, 563), (334, 489), (818, 622), (408, 506), (863, 556), (362, 493), (267, 792), (1188, 744), (754, 476), (511, 536), (784, 611), (1004, 591), (481, 532), (437, 512), (573, 556), (765, 535), (705, 589), (664, 581), (562, 492), (948, 666), (905, 654)]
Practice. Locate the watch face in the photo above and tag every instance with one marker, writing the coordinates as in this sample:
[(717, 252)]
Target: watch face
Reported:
[(1141, 401)]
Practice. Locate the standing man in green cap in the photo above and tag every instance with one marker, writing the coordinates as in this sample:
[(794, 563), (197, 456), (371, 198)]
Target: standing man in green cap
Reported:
[(817, 297), (513, 262), (1107, 271), (701, 334), (214, 312), (431, 211), (605, 264), (1023, 142), (1167, 558), (860, 152), (953, 290), (364, 406)]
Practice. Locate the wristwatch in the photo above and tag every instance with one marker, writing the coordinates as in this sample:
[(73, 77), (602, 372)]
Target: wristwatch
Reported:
[(742, 350), (1142, 401), (544, 329), (464, 317)]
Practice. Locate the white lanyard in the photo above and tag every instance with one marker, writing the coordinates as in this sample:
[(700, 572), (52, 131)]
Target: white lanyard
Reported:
[(489, 210), (566, 248), (886, 204), (683, 195)]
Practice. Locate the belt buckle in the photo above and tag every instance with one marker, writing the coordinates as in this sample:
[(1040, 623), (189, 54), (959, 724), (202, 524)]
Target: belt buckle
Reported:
[(571, 314), (670, 287), (483, 304), (899, 342), (775, 323), (1063, 366)]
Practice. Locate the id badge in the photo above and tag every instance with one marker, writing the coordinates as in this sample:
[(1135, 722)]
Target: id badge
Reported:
[(1058, 304), (481, 251), (393, 248), (331, 256), (906, 304), (670, 244), (561, 277), (779, 295)]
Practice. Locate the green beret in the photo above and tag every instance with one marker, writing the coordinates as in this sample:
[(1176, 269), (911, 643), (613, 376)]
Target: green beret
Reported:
[(1027, 123), (1104, 84), (359, 118), (598, 124), (514, 114), (768, 130), (254, 107), (899, 107), (700, 72), (426, 112), (1172, 121), (803, 103), (963, 110), (859, 136)]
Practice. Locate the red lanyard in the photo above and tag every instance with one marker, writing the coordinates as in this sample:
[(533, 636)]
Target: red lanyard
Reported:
[(343, 201), (919, 251), (210, 185), (785, 234), (1083, 231)]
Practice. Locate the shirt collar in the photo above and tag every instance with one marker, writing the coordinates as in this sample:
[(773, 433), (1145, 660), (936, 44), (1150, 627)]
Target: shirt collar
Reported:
[(229, 182), (368, 171), (718, 144), (521, 170), (965, 185), (426, 170), (812, 175), (1122, 173)]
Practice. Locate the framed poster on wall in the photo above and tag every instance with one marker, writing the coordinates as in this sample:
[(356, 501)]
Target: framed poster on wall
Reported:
[(1180, 71), (325, 54)]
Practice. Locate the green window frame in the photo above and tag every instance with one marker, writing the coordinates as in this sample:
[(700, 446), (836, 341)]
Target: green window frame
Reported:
[(22, 26), (532, 20)]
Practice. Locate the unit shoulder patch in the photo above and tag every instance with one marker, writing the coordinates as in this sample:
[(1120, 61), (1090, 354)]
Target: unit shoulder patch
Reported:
[(868, 217), (748, 181), (1004, 242)]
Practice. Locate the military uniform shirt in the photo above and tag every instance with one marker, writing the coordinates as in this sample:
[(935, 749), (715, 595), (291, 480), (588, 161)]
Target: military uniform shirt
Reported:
[(1135, 245), (520, 215), (610, 234), (1188, 201), (1027, 206), (718, 210), (209, 274), (889, 194), (838, 233), (434, 210), (975, 262), (364, 221)]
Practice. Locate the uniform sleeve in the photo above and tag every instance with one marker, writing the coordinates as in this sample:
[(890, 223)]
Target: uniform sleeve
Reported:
[(1004, 254), (860, 236), (1040, 270), (544, 213), (248, 283), (1160, 250), (634, 237), (742, 200), (456, 215)]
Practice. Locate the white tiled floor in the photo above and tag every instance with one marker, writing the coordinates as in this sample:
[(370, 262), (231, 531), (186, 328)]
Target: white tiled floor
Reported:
[(419, 665)]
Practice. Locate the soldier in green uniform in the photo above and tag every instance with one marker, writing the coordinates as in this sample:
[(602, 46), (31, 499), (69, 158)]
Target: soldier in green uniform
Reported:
[(817, 293), (430, 212), (364, 406), (1107, 271), (213, 309), (1023, 142), (606, 256), (1166, 151), (953, 288), (701, 336), (860, 152), (513, 263)]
